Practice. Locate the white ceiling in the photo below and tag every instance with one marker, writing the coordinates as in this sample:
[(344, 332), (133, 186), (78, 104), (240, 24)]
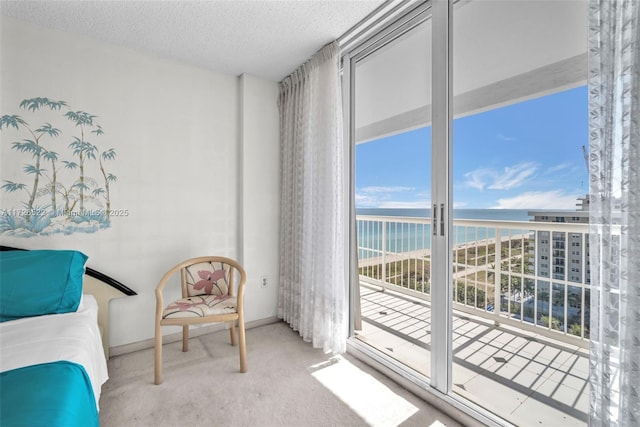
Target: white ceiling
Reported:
[(265, 38)]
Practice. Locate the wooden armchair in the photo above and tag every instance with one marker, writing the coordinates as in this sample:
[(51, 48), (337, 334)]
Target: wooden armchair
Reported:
[(208, 296)]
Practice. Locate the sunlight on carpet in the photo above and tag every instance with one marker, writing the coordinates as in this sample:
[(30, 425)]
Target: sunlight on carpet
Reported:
[(366, 396)]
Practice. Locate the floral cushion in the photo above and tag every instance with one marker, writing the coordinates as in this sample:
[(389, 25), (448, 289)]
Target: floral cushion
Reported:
[(207, 278), (201, 306)]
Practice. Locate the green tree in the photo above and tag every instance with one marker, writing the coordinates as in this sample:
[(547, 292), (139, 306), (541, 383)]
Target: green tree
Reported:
[(491, 273), (529, 287), (555, 323)]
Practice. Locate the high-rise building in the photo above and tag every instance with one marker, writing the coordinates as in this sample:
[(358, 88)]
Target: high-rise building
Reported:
[(562, 255), (563, 258)]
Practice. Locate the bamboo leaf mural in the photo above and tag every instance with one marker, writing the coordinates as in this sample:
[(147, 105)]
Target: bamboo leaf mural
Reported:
[(70, 165), (27, 146), (80, 118), (48, 129), (13, 186), (32, 170), (34, 104), (57, 171), (52, 157), (15, 121), (84, 150), (110, 154), (32, 145)]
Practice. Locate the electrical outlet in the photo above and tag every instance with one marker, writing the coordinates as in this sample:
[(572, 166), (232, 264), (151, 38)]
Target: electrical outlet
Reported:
[(264, 281)]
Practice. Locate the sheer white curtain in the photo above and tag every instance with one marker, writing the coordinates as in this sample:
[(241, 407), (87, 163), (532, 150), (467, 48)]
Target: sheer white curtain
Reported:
[(614, 129), (313, 286)]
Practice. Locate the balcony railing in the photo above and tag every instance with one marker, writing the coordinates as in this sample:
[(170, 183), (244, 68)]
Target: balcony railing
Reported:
[(502, 270)]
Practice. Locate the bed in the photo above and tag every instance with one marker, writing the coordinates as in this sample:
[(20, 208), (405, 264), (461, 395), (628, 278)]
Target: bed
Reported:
[(53, 338)]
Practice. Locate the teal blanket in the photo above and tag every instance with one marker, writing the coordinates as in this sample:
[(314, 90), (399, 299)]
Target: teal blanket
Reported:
[(53, 394)]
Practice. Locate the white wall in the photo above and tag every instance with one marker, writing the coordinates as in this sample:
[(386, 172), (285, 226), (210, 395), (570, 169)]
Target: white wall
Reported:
[(181, 135), (260, 195)]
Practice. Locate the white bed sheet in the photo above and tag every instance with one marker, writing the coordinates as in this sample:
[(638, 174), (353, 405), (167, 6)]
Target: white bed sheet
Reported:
[(73, 337)]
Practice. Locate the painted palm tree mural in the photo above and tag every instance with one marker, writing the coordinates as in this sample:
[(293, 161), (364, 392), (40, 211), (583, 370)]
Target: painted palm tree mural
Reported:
[(66, 182)]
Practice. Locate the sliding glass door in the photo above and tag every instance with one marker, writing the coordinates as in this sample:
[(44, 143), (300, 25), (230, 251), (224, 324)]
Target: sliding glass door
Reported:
[(391, 130), (468, 125), (520, 271)]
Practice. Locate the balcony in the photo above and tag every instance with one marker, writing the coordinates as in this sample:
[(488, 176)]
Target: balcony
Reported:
[(520, 340)]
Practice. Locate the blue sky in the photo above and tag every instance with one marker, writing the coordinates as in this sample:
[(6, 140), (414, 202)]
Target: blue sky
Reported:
[(523, 156)]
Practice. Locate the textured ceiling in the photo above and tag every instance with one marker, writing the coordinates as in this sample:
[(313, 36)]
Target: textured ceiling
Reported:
[(265, 38)]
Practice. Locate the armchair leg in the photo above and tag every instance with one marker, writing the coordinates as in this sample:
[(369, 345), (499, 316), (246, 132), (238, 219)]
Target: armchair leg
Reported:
[(158, 356), (243, 346), (185, 338), (232, 332)]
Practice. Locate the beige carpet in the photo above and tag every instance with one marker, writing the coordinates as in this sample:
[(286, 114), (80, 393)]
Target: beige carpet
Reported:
[(288, 383)]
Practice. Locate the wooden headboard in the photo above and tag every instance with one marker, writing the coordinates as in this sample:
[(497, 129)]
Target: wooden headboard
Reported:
[(103, 288)]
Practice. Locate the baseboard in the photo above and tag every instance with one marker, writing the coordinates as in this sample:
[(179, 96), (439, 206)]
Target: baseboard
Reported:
[(177, 336)]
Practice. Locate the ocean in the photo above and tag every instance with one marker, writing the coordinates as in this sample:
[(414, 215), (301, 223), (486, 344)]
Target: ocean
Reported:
[(404, 237)]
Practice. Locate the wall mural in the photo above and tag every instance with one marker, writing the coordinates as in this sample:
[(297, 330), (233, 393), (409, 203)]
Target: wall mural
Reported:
[(66, 185)]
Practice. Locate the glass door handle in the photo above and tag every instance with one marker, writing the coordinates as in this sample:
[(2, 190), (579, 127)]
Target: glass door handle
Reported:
[(434, 221)]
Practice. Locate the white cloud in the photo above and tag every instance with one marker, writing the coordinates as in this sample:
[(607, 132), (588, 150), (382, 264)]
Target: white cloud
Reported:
[(383, 189), (477, 179), (418, 204), (557, 168), (513, 176), (555, 199), (365, 200), (387, 197), (506, 138), (510, 177)]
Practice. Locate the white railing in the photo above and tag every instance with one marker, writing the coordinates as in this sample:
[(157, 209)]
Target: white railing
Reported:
[(539, 269)]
